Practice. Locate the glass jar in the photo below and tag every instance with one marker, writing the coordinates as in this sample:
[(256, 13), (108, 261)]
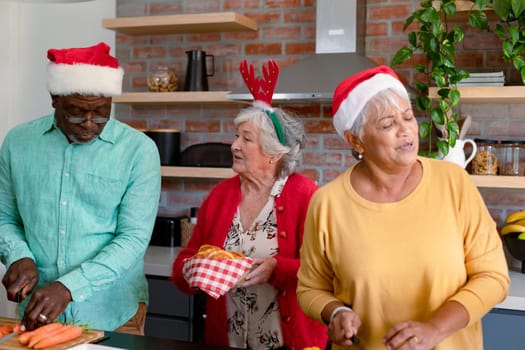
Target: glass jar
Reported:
[(162, 80), (485, 161), (511, 151)]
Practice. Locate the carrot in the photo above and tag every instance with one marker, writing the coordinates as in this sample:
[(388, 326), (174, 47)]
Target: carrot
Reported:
[(26, 336), (69, 332), (5, 329), (34, 339)]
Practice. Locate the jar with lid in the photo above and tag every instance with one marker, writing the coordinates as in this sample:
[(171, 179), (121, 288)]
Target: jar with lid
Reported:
[(485, 161), (511, 151), (162, 79)]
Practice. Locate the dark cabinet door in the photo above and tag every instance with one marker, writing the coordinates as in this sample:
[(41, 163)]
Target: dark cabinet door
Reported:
[(504, 330), (173, 314)]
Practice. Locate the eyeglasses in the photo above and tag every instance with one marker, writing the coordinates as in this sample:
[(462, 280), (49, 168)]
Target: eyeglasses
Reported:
[(77, 117)]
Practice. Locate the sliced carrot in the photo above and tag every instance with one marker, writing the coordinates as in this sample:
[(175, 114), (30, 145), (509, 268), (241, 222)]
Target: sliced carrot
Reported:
[(69, 332), (26, 336), (6, 329)]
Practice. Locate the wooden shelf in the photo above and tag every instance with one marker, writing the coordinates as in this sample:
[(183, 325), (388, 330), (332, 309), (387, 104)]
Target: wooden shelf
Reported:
[(463, 9), (497, 181), (183, 97), (197, 172), (488, 94), (186, 23)]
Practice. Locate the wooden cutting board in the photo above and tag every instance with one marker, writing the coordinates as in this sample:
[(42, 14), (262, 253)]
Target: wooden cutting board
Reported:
[(88, 336)]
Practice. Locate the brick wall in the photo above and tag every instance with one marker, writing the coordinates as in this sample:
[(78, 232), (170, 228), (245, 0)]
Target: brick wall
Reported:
[(287, 34)]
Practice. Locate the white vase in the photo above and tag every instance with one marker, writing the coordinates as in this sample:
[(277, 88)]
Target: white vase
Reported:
[(456, 154)]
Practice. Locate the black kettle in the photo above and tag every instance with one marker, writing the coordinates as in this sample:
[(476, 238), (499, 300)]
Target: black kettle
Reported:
[(196, 71)]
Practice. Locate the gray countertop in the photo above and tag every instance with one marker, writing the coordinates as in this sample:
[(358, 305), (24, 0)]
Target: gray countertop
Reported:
[(158, 261)]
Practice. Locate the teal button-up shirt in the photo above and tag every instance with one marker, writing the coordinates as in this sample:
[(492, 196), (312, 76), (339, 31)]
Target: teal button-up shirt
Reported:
[(83, 212)]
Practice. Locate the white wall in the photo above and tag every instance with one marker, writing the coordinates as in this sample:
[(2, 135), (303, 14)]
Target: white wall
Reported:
[(27, 31)]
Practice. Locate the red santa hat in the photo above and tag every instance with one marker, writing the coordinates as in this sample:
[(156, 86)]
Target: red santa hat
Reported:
[(87, 70), (353, 93)]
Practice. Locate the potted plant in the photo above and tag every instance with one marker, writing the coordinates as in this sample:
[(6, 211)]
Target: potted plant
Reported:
[(436, 39), (511, 31)]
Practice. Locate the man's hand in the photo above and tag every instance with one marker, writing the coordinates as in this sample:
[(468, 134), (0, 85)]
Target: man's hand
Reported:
[(20, 278), (45, 305)]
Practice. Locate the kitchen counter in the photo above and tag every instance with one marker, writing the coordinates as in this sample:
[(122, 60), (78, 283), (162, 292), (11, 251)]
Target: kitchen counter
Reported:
[(158, 261), (516, 298), (136, 342)]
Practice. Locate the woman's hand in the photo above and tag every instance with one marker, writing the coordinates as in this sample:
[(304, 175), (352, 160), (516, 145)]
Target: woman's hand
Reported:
[(261, 272), (343, 327), (412, 336)]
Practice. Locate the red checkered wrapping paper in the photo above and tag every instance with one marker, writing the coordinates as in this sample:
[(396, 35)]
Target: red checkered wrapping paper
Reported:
[(215, 276)]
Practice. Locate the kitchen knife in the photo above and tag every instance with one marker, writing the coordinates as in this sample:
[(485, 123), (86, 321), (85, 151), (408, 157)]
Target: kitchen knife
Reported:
[(7, 337)]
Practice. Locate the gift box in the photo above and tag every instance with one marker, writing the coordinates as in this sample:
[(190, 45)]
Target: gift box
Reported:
[(215, 276)]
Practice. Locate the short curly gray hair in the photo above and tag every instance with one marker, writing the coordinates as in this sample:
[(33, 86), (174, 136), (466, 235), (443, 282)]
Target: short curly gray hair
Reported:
[(293, 130)]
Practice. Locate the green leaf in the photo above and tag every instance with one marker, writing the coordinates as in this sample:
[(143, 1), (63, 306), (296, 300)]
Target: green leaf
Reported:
[(514, 34), (481, 4), (440, 80), (518, 62), (500, 31), (426, 3), (444, 106), (436, 115), (423, 103), (458, 34), (437, 29), (443, 93), (429, 15), (442, 146), (502, 8), (454, 97), (402, 55), (518, 6), (412, 39), (449, 8), (522, 71), (478, 19), (408, 22), (420, 68), (424, 129), (453, 129), (421, 87), (507, 49)]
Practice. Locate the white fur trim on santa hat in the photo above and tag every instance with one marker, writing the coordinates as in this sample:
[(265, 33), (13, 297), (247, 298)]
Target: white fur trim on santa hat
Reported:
[(354, 103), (85, 79)]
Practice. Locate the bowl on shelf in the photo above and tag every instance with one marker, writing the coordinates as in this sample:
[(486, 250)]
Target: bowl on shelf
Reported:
[(516, 248)]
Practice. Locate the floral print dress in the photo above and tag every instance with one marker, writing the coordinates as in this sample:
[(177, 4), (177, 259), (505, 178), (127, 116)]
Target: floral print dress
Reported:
[(253, 319)]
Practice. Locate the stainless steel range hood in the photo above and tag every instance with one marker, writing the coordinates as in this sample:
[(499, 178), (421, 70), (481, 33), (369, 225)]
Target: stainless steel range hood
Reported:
[(340, 27)]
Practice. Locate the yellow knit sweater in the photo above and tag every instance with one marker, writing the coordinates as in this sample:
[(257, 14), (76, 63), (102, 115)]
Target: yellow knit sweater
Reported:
[(394, 262)]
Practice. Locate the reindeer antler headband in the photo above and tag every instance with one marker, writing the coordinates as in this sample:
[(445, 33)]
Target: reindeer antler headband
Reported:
[(262, 90)]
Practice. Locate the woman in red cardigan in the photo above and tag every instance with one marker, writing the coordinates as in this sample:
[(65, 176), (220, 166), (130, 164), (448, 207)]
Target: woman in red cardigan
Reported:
[(260, 212)]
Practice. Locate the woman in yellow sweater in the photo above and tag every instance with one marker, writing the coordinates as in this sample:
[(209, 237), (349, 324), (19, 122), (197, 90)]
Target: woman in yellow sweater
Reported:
[(399, 250)]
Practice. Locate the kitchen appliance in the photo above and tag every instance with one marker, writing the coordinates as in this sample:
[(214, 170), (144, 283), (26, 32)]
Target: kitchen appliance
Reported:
[(210, 154), (168, 143), (339, 47), (197, 72), (167, 231)]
